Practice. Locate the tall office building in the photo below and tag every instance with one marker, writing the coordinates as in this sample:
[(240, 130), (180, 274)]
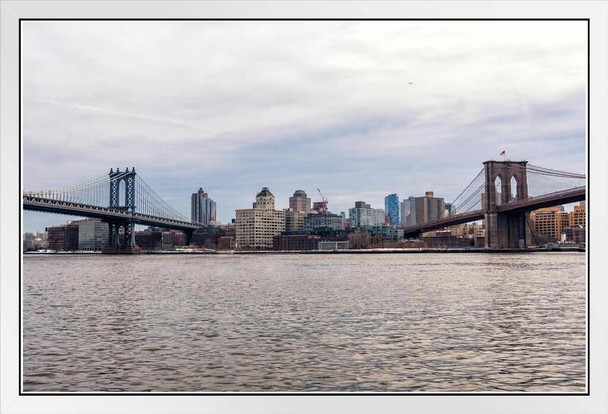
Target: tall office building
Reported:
[(391, 208), (322, 220), (362, 215), (256, 227), (93, 234), (203, 209), (299, 202), (294, 220)]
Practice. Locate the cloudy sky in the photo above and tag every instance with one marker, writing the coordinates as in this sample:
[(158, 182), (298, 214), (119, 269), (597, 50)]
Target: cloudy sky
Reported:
[(358, 109)]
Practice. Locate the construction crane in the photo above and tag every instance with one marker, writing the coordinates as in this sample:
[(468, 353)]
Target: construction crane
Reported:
[(321, 194), (321, 207)]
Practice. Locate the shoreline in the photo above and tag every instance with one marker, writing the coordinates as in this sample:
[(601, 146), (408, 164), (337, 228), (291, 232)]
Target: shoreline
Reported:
[(346, 251)]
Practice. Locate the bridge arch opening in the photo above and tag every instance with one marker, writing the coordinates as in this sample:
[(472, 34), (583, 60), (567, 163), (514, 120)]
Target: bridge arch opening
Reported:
[(498, 189), (513, 196), (122, 191)]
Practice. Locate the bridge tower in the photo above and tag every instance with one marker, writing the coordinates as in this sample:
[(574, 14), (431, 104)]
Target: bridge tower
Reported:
[(127, 179), (505, 230)]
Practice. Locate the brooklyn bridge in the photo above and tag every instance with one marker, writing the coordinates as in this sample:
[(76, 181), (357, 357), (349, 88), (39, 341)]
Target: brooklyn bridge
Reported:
[(502, 194)]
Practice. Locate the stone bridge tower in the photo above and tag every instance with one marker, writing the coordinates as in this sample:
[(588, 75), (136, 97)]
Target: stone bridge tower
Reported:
[(504, 230)]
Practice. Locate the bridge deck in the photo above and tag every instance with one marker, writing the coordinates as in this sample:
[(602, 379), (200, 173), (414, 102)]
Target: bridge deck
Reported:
[(105, 213), (546, 200)]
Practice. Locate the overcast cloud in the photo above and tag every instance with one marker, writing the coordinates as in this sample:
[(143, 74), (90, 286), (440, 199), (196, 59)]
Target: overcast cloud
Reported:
[(357, 109)]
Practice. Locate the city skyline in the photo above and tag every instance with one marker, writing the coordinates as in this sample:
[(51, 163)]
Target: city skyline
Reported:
[(359, 112)]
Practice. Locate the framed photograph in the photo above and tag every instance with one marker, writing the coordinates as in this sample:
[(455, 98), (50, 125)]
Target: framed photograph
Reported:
[(304, 207)]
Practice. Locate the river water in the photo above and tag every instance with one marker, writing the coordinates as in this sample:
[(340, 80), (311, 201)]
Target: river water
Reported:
[(305, 323)]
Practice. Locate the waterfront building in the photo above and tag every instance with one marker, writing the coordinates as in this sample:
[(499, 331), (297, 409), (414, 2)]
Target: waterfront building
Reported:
[(149, 239), (577, 216), (464, 230), (299, 202), (225, 243), (214, 237), (322, 220), (362, 215), (203, 209), (442, 240), (296, 242), (333, 245), (64, 237), (257, 226), (38, 241), (550, 221), (427, 208), (386, 231), (479, 236), (28, 241), (574, 234), (391, 207), (173, 238), (93, 234)]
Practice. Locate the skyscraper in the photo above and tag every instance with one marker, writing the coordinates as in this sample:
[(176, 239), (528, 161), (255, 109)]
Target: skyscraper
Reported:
[(256, 227), (391, 207), (427, 208), (407, 206), (299, 202), (203, 209)]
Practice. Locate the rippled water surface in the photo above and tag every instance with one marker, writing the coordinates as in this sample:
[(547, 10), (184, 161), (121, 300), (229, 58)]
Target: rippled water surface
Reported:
[(344, 323)]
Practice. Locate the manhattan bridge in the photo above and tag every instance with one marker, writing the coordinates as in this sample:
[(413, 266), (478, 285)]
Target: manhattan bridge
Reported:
[(503, 193)]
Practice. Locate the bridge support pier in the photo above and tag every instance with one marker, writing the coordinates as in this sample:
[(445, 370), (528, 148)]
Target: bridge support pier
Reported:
[(121, 238), (188, 236), (507, 231)]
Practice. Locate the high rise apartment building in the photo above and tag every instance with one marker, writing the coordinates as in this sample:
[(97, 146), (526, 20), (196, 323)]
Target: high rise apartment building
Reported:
[(391, 207), (299, 202), (362, 215), (427, 208), (407, 218), (256, 227), (203, 209)]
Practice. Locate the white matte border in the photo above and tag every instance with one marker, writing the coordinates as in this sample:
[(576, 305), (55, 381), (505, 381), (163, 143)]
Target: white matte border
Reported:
[(11, 402)]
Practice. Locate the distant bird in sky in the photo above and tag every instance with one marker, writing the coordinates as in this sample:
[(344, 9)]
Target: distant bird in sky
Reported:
[(410, 83)]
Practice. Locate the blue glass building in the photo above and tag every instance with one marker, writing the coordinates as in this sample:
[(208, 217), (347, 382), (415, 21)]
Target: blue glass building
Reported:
[(391, 206)]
